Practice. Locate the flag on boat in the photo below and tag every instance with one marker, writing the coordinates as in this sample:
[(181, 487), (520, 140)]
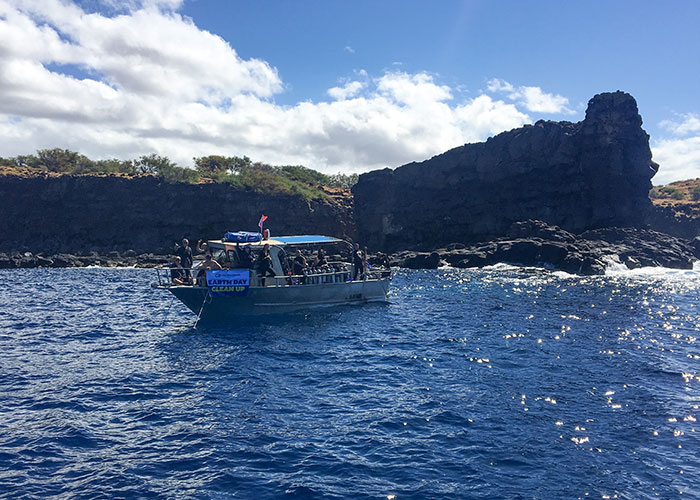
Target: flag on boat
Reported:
[(263, 218)]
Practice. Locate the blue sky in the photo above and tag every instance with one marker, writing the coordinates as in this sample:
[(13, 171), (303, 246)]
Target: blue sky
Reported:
[(576, 49), (336, 86)]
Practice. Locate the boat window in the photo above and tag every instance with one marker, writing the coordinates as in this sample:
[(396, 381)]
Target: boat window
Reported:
[(219, 255), (232, 258)]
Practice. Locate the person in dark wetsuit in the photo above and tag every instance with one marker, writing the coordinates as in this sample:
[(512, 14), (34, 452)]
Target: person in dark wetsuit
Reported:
[(185, 253), (177, 273), (299, 265), (244, 256), (358, 262), (265, 264)]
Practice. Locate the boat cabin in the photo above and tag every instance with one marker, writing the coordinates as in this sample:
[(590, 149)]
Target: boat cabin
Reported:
[(283, 249)]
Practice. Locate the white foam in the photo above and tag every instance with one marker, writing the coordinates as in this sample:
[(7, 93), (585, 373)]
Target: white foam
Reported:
[(564, 275), (613, 265), (501, 266), (665, 273)]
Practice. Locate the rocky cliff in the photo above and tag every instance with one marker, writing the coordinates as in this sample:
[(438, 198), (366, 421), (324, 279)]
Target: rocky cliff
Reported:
[(83, 214), (579, 176)]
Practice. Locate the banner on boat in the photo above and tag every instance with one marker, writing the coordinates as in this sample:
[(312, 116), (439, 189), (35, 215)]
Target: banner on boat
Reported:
[(228, 283)]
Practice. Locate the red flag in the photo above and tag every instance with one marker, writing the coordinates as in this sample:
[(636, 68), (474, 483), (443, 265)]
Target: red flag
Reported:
[(263, 218)]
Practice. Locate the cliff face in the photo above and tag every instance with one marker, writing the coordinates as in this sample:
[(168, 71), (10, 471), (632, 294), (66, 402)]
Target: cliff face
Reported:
[(579, 176), (80, 214)]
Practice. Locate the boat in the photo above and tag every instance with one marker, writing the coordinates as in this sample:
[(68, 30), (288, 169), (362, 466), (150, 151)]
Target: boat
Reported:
[(238, 290)]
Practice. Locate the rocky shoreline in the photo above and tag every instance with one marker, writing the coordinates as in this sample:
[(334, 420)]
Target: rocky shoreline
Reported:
[(535, 243), (529, 243), (29, 260)]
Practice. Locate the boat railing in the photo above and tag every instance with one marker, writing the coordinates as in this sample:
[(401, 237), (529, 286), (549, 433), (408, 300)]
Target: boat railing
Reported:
[(165, 276), (339, 272)]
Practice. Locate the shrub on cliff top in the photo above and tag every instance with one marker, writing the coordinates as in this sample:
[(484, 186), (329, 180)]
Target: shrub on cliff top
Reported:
[(309, 176), (666, 192), (220, 168), (242, 172), (695, 194), (213, 166), (266, 179), (69, 162), (162, 167)]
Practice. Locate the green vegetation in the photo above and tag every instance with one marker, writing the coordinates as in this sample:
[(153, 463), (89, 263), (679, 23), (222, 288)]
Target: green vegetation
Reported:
[(666, 192), (303, 174), (162, 167), (695, 194), (686, 191), (240, 172), (235, 170)]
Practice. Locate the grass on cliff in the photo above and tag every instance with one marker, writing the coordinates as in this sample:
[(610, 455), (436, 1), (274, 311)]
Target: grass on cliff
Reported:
[(242, 173), (680, 191)]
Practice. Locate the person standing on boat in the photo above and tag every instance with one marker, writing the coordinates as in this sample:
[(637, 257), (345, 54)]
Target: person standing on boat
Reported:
[(320, 259), (265, 263), (202, 246), (247, 260), (299, 265), (185, 253), (358, 262)]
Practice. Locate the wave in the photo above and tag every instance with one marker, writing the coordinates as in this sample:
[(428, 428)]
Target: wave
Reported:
[(614, 267)]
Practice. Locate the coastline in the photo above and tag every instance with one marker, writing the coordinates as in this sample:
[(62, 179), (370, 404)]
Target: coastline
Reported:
[(529, 243), (537, 244), (29, 260)]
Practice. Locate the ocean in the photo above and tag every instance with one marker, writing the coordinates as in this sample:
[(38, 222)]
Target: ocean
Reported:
[(502, 382)]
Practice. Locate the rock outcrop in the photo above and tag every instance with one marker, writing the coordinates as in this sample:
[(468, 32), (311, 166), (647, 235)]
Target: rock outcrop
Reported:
[(535, 243), (82, 214), (681, 220), (579, 176), (30, 260)]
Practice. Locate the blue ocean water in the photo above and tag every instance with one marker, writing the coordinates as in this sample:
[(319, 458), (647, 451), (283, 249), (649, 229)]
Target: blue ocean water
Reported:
[(484, 384)]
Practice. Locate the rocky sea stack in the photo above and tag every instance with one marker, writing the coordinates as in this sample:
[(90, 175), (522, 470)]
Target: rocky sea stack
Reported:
[(578, 176)]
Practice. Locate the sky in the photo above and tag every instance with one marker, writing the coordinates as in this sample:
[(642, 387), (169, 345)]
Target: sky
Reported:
[(338, 86)]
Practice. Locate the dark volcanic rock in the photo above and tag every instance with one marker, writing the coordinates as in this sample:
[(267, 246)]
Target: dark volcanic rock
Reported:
[(6, 262), (42, 261), (66, 260), (679, 220), (78, 214), (421, 260), (579, 176), (648, 248), (537, 244)]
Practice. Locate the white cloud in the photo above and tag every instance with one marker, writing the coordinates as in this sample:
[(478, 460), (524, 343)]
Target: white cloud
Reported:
[(532, 98), (348, 90), (413, 90), (679, 156), (133, 5), (349, 49), (689, 123), (144, 87), (678, 159), (498, 85), (483, 117)]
